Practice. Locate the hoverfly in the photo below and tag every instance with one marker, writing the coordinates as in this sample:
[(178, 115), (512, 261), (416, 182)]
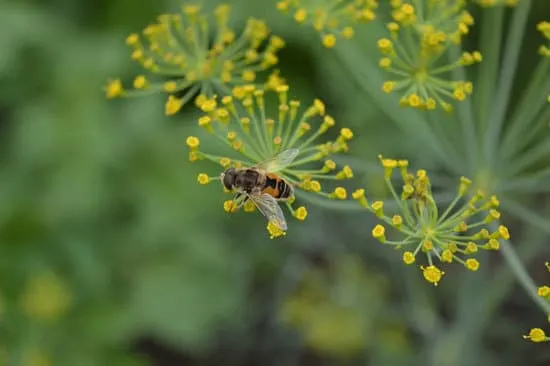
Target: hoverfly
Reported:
[(262, 185)]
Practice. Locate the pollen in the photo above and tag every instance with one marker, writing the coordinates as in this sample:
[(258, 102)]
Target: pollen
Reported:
[(379, 233), (536, 335), (408, 258), (274, 230), (300, 213), (432, 274), (203, 179)]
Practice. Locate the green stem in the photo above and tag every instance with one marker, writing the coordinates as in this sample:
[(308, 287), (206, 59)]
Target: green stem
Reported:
[(369, 78), (530, 104), (513, 46), (466, 117), (491, 40), (514, 263)]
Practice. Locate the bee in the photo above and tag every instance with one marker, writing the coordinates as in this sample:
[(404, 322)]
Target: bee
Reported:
[(262, 185)]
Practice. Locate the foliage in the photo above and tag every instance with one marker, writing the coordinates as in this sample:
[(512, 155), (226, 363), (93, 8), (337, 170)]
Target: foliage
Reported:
[(111, 254)]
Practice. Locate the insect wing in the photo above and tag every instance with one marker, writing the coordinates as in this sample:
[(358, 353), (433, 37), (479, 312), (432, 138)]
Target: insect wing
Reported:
[(270, 208), (279, 162)]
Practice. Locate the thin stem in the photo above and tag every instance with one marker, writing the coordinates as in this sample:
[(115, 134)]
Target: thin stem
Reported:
[(491, 37), (530, 104), (466, 117), (369, 78), (514, 263), (513, 46)]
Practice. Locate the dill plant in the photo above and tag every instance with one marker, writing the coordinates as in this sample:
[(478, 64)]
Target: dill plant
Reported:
[(500, 142)]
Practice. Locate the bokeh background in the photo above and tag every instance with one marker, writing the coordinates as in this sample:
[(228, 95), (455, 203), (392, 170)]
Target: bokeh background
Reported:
[(112, 254)]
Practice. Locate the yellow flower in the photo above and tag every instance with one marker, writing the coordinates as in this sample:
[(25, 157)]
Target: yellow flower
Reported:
[(419, 38), (192, 142), (274, 230), (291, 138), (447, 256), (300, 213), (408, 257), (424, 228), (359, 195), (536, 335), (330, 18), (432, 274), (203, 178), (329, 40), (544, 291), (340, 193), (114, 89), (378, 232), (378, 208), (230, 206), (174, 46), (472, 264), (173, 105)]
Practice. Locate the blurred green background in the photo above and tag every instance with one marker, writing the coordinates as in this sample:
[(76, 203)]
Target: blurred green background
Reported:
[(112, 254)]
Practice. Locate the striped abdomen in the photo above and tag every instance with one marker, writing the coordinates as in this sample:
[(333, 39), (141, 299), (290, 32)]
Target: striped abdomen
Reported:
[(277, 187)]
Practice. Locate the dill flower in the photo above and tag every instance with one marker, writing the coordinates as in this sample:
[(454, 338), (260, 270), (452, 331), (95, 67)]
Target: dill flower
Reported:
[(537, 334), (178, 49), (544, 28), (454, 235), (332, 19), (420, 37), (251, 136)]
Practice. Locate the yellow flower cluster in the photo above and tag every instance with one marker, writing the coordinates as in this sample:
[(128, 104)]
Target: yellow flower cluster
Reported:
[(537, 334), (489, 3), (448, 237), (544, 28), (179, 48), (413, 55), (252, 137), (333, 19)]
